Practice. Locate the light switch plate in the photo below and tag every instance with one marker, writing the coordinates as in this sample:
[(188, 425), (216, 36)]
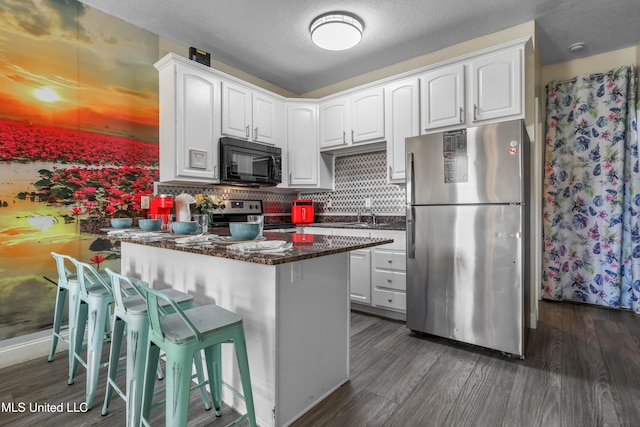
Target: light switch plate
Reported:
[(144, 202)]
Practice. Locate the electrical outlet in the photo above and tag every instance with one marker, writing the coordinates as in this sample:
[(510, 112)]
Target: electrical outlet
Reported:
[(329, 203), (367, 202), (144, 202), (296, 271)]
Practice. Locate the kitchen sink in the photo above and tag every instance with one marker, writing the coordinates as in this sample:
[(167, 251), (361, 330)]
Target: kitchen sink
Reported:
[(366, 224)]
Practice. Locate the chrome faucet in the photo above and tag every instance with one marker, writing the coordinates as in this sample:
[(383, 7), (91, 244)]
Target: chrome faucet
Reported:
[(359, 214), (373, 217)]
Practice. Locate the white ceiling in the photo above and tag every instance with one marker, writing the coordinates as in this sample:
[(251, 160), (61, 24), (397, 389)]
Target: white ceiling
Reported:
[(270, 38)]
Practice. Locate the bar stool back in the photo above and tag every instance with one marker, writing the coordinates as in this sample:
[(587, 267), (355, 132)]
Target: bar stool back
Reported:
[(130, 311), (182, 334)]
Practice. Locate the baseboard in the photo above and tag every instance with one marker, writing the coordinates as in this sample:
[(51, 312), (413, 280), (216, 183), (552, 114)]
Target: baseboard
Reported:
[(28, 347)]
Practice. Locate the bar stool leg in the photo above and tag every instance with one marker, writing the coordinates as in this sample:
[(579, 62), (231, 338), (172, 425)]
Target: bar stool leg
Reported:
[(150, 368), (77, 338), (114, 358), (97, 318), (61, 296), (214, 368), (243, 365), (197, 360), (178, 377)]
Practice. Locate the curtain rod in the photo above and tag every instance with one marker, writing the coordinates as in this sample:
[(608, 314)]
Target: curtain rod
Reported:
[(591, 76)]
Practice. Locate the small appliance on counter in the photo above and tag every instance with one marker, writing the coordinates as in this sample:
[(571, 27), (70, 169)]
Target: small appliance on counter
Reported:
[(302, 211), (160, 207)]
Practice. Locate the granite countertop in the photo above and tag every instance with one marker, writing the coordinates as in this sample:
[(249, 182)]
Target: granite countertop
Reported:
[(305, 246)]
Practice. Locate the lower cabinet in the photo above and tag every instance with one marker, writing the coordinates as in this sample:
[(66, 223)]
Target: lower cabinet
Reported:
[(377, 277), (388, 272)]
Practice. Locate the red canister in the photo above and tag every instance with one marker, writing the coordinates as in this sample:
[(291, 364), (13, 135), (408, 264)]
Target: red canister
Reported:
[(302, 212)]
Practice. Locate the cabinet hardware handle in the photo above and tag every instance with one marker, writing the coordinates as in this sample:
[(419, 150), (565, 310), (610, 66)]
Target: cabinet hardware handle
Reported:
[(246, 131), (215, 171), (255, 133), (389, 280), (461, 120), (344, 137), (475, 112), (390, 300), (390, 172), (290, 176), (389, 261), (352, 139)]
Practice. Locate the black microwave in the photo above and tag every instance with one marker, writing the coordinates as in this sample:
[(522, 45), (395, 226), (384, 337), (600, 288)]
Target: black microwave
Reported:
[(249, 163)]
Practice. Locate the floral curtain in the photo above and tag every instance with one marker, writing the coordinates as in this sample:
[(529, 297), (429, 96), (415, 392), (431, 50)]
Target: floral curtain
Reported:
[(592, 191)]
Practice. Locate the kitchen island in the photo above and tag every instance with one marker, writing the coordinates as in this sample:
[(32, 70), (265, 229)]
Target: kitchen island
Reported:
[(295, 308)]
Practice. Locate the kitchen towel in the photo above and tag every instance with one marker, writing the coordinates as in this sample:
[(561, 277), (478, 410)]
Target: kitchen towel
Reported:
[(269, 246)]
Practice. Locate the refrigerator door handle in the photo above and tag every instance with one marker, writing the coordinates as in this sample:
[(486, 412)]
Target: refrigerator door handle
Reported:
[(410, 177), (411, 229), (411, 233)]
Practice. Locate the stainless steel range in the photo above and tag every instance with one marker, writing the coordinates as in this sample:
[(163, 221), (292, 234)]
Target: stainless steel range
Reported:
[(235, 210)]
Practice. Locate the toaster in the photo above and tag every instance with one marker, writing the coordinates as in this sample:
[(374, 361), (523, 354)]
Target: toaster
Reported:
[(302, 212)]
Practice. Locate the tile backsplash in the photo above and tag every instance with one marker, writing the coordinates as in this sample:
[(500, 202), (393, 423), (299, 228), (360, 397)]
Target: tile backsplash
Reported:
[(356, 176), (359, 176)]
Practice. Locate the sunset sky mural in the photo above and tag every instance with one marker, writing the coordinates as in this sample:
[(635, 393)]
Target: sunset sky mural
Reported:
[(78, 143), (42, 45)]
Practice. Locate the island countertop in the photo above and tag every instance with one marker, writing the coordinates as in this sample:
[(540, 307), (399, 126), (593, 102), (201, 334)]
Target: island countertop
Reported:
[(305, 246)]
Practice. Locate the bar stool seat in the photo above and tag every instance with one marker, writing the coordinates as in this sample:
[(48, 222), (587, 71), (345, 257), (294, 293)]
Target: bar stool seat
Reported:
[(181, 335), (130, 313)]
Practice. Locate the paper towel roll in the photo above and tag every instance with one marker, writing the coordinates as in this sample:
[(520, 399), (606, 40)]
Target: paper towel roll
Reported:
[(183, 210)]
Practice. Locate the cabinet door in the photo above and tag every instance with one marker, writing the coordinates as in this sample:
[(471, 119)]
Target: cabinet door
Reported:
[(197, 132), (496, 85), (443, 97), (333, 123), (402, 117), (267, 118), (302, 144), (360, 276), (366, 114), (236, 111)]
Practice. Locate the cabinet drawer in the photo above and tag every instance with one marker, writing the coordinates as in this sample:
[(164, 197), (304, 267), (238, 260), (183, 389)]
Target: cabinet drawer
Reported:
[(390, 299), (390, 260), (386, 279)]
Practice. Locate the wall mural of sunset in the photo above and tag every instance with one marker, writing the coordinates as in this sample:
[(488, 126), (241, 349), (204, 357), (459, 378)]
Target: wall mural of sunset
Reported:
[(78, 143)]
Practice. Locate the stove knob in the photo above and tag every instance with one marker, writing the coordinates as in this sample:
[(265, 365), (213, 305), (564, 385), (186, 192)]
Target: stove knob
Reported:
[(222, 206)]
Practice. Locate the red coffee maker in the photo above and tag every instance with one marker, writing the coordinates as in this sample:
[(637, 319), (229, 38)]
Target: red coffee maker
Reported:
[(160, 207), (302, 212)]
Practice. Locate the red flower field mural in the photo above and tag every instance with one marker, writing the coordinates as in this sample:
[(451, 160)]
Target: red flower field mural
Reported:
[(78, 144)]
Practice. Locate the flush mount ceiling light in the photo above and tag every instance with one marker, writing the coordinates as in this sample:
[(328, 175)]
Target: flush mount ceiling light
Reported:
[(336, 31), (576, 47)]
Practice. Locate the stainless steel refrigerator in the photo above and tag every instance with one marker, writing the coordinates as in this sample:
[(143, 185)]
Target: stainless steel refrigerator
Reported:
[(467, 235)]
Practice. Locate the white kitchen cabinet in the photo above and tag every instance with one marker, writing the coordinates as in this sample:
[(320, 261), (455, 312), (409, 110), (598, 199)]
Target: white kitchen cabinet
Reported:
[(308, 168), (360, 276), (189, 121), (388, 271), (402, 120), (487, 87), (251, 115), (497, 85), (357, 118), (443, 97)]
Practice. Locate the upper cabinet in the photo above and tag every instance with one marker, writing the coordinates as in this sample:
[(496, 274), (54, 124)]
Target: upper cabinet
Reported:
[(486, 88), (402, 120), (350, 120), (308, 168), (251, 115), (497, 85), (189, 122)]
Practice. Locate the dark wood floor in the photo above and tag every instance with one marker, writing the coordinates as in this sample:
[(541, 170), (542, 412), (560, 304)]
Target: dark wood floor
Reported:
[(582, 369)]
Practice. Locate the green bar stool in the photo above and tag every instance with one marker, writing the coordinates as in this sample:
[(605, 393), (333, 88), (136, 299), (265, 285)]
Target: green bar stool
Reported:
[(65, 275), (68, 285), (181, 335), (130, 312), (96, 294)]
